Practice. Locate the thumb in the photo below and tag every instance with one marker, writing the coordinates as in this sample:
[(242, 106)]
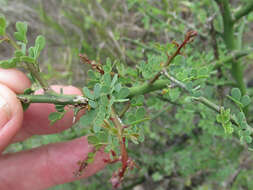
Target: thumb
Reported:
[(11, 116)]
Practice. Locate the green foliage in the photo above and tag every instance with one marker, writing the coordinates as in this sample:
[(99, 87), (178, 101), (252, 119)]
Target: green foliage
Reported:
[(190, 122), (55, 116), (21, 55), (153, 65), (241, 101), (224, 119), (20, 35), (2, 26), (35, 51)]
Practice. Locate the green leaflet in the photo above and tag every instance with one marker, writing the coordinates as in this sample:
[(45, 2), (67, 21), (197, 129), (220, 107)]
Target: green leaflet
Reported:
[(20, 35), (2, 25), (55, 116)]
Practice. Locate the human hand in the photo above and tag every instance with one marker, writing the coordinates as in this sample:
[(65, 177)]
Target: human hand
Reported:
[(42, 167)]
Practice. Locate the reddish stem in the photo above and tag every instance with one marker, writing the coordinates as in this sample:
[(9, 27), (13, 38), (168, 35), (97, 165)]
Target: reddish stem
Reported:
[(124, 156), (94, 65)]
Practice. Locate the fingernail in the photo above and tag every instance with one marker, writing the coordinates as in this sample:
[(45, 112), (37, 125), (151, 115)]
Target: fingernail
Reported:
[(5, 113)]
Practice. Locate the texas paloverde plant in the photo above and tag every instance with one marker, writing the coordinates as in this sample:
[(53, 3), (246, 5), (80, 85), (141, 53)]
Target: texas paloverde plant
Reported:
[(114, 99)]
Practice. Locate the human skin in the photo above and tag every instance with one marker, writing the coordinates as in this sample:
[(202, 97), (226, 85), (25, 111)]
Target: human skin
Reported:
[(48, 165)]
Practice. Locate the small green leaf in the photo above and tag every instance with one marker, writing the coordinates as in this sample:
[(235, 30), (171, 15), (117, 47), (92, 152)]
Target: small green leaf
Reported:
[(87, 93), (91, 157), (103, 137), (105, 89), (90, 160), (236, 93), (97, 89), (93, 140), (25, 106), (203, 71), (18, 53), (27, 59), (240, 117), (244, 125), (2, 25), (31, 52), (248, 139), (55, 116), (20, 35), (245, 100), (228, 128), (114, 80), (219, 119), (179, 60), (40, 42), (157, 176), (123, 93), (93, 104), (28, 91), (96, 128), (117, 87), (21, 27), (189, 85), (91, 75), (226, 115), (60, 108), (23, 47), (107, 79), (39, 45), (108, 67), (140, 113), (120, 68), (174, 94), (7, 64), (197, 93), (137, 100), (88, 118)]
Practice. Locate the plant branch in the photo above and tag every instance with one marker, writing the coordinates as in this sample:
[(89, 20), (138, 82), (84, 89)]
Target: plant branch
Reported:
[(11, 41), (33, 70), (135, 90), (146, 88), (228, 33), (231, 44), (232, 57), (125, 160), (59, 99), (73, 100), (31, 67), (200, 99), (245, 10), (84, 58)]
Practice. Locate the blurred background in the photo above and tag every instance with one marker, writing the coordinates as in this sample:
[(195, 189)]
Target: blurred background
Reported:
[(128, 30)]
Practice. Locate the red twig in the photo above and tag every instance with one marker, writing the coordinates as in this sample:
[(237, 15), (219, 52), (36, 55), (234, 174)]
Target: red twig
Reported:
[(84, 58), (126, 162)]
